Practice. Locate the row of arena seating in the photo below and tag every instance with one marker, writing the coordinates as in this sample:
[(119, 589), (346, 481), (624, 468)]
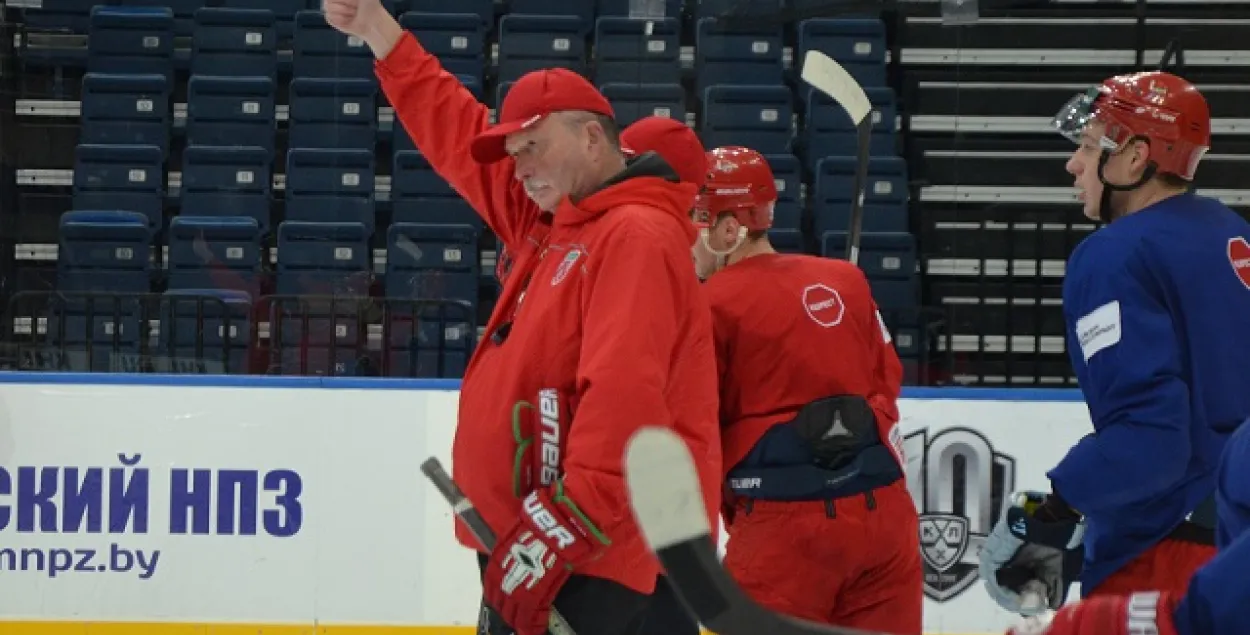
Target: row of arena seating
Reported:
[(340, 185), (343, 114), (610, 49), (110, 254)]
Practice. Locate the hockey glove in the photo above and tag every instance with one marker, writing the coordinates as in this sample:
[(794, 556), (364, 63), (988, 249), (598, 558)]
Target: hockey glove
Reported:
[(536, 556), (1038, 538), (1146, 612)]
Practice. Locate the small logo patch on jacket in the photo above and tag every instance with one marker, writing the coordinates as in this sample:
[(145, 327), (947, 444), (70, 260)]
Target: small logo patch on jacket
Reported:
[(566, 266)]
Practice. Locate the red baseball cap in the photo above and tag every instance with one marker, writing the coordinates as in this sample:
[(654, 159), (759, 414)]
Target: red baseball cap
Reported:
[(534, 96), (674, 141)]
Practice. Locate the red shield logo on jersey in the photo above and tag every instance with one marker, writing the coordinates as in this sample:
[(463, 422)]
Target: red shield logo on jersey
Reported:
[(1239, 257), (823, 305)]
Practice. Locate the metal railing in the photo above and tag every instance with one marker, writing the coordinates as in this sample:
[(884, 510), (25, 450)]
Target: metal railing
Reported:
[(212, 334)]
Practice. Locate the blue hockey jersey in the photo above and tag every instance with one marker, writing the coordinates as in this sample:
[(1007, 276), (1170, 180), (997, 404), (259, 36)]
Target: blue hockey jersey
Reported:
[(1156, 306), (1216, 601)]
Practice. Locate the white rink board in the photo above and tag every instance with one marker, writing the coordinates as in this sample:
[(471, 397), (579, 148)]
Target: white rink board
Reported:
[(332, 522)]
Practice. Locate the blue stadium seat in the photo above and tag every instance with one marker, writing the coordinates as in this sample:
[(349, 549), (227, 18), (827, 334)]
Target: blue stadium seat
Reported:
[(759, 117), (583, 10), (204, 331), (531, 42), (740, 56), (231, 111), (330, 186), (888, 260), (227, 182), (482, 8), (858, 44), (127, 178), (103, 250), (126, 40), (419, 195), (431, 262), (126, 109), (183, 10), (882, 255), (828, 131), (283, 11), (885, 197), (106, 254), (317, 262), (632, 102), (234, 42), (323, 259), (436, 344), (73, 16), (788, 175), (786, 240), (714, 8), (214, 252), (321, 51), (672, 8), (458, 40), (624, 53), (333, 113)]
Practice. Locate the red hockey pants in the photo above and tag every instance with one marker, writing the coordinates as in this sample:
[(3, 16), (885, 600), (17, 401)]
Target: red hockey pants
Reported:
[(1167, 566), (852, 562)]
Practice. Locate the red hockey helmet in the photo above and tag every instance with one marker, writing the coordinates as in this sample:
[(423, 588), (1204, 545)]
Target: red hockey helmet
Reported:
[(739, 182), (1160, 107)]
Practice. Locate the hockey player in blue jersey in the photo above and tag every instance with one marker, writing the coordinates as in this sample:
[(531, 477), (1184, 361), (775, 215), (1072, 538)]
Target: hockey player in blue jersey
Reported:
[(1156, 305), (1218, 594)]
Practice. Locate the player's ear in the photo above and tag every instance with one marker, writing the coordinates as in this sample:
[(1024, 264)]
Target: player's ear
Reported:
[(1141, 155)]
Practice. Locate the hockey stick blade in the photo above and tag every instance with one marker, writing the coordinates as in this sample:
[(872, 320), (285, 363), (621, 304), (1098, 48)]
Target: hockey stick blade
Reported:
[(668, 504), (828, 77), (463, 508)]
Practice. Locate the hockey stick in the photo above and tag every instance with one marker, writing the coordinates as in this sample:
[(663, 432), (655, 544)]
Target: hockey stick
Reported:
[(463, 508), (668, 504), (667, 500), (828, 77)]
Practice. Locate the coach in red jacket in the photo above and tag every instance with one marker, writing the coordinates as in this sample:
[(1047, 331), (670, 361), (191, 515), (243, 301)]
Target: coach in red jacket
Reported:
[(600, 329)]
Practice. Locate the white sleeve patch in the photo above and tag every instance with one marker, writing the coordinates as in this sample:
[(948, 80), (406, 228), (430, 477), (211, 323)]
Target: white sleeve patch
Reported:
[(1099, 329), (885, 332)]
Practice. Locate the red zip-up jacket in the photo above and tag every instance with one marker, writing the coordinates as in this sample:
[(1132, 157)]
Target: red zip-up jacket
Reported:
[(791, 329), (602, 304)]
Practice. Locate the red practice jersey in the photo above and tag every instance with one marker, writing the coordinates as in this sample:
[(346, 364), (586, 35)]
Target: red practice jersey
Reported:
[(791, 329), (601, 305)]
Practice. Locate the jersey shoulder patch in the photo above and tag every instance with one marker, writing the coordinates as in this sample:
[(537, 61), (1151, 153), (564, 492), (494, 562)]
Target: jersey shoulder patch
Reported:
[(1099, 329)]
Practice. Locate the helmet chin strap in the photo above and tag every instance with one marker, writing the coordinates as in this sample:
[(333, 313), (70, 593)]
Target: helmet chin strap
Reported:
[(722, 255), (1105, 213)]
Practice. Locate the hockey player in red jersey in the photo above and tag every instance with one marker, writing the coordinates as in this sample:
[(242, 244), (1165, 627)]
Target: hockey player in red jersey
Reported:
[(600, 329), (821, 525), (1155, 304)]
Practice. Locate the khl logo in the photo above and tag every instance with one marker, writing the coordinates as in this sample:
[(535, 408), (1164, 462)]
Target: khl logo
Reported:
[(959, 484)]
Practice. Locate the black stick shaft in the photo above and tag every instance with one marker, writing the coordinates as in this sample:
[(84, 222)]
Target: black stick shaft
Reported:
[(859, 190)]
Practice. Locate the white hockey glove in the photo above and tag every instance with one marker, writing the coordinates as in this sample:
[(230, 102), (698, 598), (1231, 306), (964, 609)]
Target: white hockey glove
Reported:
[(1036, 547)]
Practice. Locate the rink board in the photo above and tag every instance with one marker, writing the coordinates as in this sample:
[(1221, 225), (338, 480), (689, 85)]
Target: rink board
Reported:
[(143, 504)]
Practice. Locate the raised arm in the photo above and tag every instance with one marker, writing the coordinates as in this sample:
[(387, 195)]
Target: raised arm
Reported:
[(440, 115)]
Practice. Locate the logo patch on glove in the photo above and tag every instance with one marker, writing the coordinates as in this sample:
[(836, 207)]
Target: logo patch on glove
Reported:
[(547, 522), (527, 562)]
